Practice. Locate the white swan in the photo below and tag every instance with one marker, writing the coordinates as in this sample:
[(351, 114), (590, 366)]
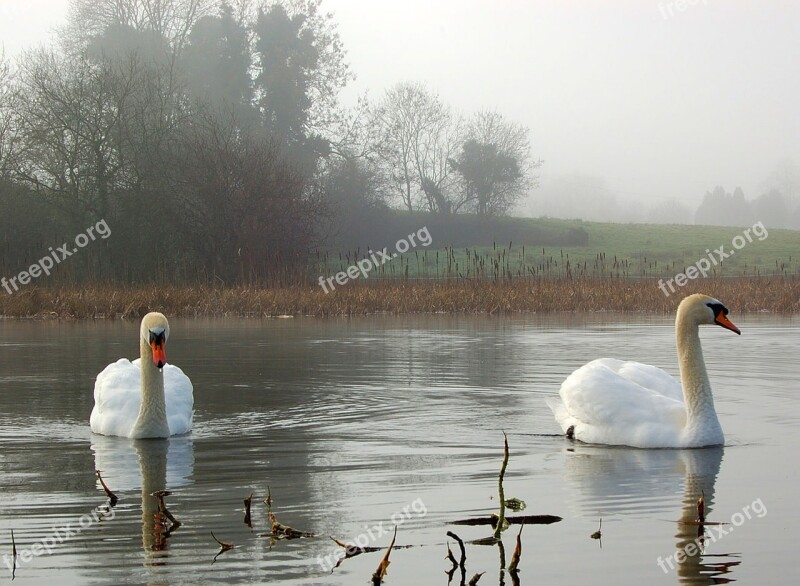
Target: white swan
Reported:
[(612, 402), (146, 398)]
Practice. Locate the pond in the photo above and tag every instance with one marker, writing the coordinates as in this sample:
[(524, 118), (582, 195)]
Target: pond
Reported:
[(355, 425)]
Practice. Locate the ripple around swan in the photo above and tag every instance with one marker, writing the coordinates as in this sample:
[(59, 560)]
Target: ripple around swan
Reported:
[(347, 422)]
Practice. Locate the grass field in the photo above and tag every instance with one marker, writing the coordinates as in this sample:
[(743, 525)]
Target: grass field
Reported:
[(619, 270), (614, 250)]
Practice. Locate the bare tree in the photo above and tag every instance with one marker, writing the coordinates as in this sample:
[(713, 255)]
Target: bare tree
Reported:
[(171, 19), (419, 135), (8, 98)]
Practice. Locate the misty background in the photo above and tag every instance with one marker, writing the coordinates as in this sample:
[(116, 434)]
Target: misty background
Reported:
[(260, 132), (638, 101)]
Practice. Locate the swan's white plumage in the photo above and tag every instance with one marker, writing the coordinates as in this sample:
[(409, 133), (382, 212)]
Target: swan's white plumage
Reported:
[(608, 401), (621, 403), (118, 396), (146, 398)]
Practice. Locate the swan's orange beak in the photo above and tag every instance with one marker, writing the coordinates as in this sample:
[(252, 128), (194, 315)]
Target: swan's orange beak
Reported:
[(159, 356), (722, 320)]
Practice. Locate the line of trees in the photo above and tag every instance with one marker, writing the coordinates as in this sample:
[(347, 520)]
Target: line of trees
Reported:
[(209, 137), (720, 208)]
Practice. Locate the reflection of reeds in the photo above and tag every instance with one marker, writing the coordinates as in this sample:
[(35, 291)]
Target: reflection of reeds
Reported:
[(401, 296)]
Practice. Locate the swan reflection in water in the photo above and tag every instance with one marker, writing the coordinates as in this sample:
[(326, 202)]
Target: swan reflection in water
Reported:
[(150, 465), (625, 480), (692, 564)]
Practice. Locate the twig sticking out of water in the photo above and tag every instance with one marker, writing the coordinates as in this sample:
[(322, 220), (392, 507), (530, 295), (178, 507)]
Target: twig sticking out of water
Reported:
[(463, 549), (278, 530), (475, 578), (383, 567), (701, 507), (282, 531), (268, 500), (513, 567), (501, 522), (461, 564), (223, 547), (453, 561), (112, 498), (351, 550), (247, 502), (162, 508), (13, 556), (599, 533)]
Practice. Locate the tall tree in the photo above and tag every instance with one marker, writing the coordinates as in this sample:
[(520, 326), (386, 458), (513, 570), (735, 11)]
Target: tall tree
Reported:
[(494, 164), (719, 208), (8, 95), (489, 177), (772, 209), (419, 135), (217, 62), (169, 19), (300, 70)]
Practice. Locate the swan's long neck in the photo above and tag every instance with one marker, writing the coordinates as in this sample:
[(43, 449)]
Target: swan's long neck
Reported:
[(152, 419), (701, 417)]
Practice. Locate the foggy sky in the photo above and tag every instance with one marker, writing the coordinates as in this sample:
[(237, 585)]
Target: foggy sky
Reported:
[(649, 99)]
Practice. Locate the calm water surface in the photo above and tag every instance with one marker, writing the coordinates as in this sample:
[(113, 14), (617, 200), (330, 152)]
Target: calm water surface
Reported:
[(354, 422)]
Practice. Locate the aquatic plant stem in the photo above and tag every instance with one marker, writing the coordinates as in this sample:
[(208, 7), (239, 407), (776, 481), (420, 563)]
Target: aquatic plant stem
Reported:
[(502, 516)]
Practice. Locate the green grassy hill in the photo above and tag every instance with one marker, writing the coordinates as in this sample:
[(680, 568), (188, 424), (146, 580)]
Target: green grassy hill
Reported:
[(513, 247)]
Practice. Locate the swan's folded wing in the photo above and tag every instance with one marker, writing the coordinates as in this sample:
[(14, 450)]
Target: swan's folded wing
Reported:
[(651, 377), (117, 397), (179, 396), (610, 403)]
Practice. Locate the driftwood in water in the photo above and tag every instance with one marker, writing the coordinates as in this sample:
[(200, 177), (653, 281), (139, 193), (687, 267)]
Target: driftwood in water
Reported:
[(515, 520), (223, 547)]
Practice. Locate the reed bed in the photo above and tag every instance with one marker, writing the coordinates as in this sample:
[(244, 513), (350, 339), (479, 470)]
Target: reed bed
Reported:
[(400, 296), (520, 262)]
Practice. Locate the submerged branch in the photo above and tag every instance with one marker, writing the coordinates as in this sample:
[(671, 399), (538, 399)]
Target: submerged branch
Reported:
[(162, 508), (501, 522), (247, 503), (383, 567), (112, 498), (223, 547), (515, 520)]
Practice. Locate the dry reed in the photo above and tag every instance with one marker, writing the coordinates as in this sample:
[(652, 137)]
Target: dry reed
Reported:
[(399, 296)]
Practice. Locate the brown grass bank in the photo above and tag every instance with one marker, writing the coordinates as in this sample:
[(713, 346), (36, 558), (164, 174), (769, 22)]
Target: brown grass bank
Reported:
[(742, 295)]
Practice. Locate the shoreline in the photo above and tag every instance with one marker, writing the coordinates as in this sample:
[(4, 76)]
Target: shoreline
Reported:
[(741, 295)]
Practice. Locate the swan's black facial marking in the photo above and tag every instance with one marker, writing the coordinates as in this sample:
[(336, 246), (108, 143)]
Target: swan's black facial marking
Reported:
[(718, 308), (721, 316), (158, 336)]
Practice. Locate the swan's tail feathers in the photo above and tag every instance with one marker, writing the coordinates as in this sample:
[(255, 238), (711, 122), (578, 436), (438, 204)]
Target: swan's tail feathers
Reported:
[(560, 412)]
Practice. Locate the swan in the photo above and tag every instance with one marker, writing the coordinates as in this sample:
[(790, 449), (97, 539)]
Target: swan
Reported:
[(612, 402), (146, 398)]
